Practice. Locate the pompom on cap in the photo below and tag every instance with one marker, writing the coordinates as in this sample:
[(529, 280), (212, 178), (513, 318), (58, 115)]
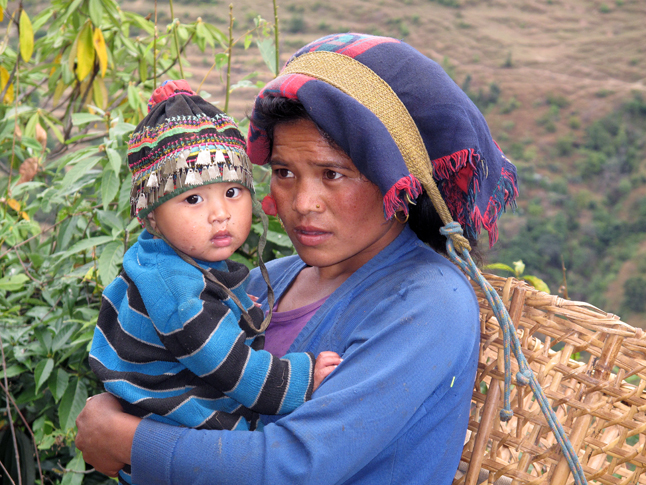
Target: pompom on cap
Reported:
[(169, 89)]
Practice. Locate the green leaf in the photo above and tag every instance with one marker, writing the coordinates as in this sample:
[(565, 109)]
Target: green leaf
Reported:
[(96, 12), (72, 403), (124, 194), (109, 262), (77, 171), (122, 128), (500, 266), (83, 118), (247, 41), (78, 465), (217, 34), (57, 383), (42, 372), (239, 258), (519, 267), (115, 160), (109, 187), (44, 336), (111, 219), (13, 283), (30, 128), (55, 130), (26, 37), (86, 244), (133, 97), (268, 53), (143, 69), (279, 239), (62, 336), (12, 371), (537, 283)]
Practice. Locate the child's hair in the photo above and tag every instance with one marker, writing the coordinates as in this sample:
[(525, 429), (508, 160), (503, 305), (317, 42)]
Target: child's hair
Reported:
[(183, 142)]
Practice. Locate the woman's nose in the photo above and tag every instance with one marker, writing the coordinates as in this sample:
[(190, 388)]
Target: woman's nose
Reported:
[(307, 198)]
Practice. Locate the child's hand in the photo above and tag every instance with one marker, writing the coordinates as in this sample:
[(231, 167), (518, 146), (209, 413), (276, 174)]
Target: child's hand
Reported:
[(254, 299), (326, 362)]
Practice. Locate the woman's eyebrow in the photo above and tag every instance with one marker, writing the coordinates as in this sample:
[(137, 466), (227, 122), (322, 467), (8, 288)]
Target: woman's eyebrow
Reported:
[(341, 165)]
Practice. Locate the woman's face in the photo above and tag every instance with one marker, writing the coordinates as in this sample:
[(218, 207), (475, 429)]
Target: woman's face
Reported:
[(333, 215)]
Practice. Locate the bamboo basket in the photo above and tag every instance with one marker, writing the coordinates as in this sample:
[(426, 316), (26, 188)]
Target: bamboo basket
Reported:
[(601, 404)]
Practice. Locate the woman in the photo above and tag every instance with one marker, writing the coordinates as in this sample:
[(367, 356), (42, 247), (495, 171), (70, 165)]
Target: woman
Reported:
[(352, 129)]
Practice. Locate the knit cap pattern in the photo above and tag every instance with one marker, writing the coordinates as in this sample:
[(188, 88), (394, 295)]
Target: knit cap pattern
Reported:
[(182, 143)]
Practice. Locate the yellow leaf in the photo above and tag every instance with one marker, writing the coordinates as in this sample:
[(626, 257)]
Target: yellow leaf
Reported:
[(14, 204), (26, 37), (84, 52), (4, 79), (101, 50), (25, 216), (1, 13), (58, 92), (100, 93), (89, 275), (72, 58), (57, 60)]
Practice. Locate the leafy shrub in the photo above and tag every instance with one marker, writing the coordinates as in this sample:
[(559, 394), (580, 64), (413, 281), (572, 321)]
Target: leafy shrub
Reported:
[(635, 294), (83, 85)]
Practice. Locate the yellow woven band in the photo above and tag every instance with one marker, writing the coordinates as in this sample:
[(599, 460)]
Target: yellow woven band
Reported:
[(365, 86)]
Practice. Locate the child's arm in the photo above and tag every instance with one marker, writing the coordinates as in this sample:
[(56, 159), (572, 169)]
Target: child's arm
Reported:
[(206, 337)]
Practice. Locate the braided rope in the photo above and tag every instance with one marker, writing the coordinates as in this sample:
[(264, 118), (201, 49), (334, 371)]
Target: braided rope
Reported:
[(525, 375)]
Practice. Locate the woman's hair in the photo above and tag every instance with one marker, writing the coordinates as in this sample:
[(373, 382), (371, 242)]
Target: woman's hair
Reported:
[(424, 220)]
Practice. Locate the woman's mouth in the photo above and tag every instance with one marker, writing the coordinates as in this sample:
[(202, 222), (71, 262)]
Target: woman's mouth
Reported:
[(311, 236)]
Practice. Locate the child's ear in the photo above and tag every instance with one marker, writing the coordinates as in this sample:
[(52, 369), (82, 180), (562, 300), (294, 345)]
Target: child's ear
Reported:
[(151, 219)]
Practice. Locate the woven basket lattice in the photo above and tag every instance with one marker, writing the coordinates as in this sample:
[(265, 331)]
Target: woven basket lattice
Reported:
[(601, 404)]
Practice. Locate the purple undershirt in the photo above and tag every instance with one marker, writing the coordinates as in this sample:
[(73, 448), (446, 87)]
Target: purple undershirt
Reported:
[(285, 327)]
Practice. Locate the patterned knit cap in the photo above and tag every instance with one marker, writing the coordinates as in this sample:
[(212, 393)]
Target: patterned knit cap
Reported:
[(404, 123), (183, 142)]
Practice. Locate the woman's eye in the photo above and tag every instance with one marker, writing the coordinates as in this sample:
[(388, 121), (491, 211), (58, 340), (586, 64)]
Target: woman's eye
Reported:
[(194, 199), (233, 192), (332, 175), (283, 173)]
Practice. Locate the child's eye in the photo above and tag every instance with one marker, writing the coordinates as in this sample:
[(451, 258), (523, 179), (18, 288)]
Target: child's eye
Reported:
[(194, 199), (233, 192)]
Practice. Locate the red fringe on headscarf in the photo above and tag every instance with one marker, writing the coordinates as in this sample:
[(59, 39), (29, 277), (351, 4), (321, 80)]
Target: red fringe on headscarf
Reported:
[(504, 195), (395, 199)]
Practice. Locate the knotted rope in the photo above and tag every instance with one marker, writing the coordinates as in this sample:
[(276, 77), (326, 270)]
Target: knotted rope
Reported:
[(511, 343)]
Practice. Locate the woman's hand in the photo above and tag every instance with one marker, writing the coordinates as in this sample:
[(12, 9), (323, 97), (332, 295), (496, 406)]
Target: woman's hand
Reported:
[(105, 434)]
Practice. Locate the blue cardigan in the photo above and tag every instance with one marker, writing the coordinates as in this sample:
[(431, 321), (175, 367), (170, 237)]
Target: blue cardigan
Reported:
[(394, 411), (172, 345)]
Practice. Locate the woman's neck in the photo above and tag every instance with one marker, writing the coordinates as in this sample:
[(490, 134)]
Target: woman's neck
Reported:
[(311, 285)]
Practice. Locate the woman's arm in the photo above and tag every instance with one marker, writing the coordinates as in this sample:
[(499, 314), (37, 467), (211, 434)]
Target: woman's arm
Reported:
[(105, 434), (406, 378)]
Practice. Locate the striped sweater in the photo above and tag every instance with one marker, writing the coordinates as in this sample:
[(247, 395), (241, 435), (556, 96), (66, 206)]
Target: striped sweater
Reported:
[(172, 346)]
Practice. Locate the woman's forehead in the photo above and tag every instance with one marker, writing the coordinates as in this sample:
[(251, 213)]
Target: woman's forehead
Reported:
[(302, 142)]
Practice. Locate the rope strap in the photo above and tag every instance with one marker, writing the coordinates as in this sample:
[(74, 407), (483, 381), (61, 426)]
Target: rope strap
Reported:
[(511, 343)]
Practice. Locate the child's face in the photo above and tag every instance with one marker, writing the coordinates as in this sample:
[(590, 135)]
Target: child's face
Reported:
[(208, 222)]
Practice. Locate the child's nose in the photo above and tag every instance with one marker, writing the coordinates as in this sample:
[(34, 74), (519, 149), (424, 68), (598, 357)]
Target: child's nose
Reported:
[(218, 213)]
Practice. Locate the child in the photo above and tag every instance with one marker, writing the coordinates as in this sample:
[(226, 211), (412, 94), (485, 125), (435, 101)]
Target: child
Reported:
[(178, 339)]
